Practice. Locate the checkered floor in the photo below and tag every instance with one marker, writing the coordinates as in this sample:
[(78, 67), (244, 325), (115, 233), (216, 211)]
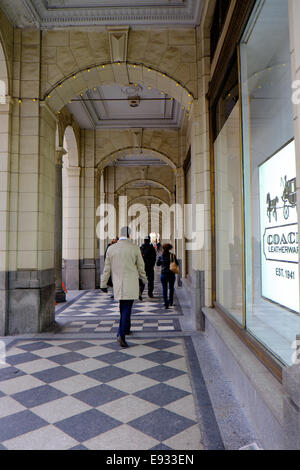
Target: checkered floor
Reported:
[(98, 304), (144, 325), (76, 388), (90, 394)]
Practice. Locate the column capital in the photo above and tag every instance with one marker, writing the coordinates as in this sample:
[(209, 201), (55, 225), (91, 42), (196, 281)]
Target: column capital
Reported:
[(179, 171), (60, 152)]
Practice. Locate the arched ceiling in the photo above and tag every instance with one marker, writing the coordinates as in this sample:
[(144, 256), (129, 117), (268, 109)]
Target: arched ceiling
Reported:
[(137, 156), (48, 14), (143, 184)]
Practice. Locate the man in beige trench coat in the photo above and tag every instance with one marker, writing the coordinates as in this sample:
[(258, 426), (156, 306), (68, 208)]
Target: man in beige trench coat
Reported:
[(125, 264)]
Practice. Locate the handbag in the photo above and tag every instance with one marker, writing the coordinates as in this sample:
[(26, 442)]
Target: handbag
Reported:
[(174, 268)]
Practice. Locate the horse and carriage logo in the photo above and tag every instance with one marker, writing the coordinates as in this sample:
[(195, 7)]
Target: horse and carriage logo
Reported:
[(289, 198)]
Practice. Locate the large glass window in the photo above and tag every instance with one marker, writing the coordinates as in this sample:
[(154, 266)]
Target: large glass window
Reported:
[(228, 198), (271, 222)]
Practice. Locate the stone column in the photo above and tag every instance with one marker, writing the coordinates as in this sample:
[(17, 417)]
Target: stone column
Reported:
[(60, 295), (97, 241), (173, 226), (102, 243), (180, 244), (72, 228), (5, 113)]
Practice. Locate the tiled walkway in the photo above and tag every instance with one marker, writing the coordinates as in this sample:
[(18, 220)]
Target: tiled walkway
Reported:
[(75, 388)]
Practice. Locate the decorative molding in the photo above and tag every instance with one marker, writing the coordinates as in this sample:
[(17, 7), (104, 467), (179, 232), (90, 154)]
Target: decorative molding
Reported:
[(118, 41), (47, 14), (60, 152), (21, 13), (137, 136)]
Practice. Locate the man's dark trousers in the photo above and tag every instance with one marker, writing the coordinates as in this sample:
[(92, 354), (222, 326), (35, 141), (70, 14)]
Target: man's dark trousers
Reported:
[(125, 314), (150, 276)]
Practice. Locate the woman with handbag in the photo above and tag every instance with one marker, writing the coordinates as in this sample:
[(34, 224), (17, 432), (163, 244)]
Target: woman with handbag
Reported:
[(169, 268)]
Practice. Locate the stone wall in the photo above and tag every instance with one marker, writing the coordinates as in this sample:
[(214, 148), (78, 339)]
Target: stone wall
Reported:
[(171, 51)]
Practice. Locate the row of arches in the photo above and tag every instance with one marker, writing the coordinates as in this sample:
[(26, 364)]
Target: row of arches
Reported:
[(70, 207), (80, 81)]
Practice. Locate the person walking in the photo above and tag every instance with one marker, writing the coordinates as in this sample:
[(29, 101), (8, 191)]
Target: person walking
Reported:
[(169, 264), (149, 256), (124, 263)]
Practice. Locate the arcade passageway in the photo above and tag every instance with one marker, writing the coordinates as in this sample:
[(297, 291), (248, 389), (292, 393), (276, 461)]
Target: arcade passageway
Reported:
[(179, 119)]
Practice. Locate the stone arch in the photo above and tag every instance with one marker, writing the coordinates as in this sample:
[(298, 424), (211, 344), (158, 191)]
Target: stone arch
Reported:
[(141, 197), (120, 73), (129, 151), (4, 80), (125, 185), (156, 220)]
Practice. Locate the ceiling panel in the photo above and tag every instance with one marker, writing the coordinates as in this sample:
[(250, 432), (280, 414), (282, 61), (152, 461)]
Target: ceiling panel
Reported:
[(108, 107), (138, 159), (59, 4)]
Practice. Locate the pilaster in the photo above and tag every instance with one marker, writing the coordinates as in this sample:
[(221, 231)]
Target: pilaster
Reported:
[(60, 295)]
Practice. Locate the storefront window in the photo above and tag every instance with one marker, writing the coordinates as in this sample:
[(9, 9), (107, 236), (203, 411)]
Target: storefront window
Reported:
[(228, 199), (271, 222)]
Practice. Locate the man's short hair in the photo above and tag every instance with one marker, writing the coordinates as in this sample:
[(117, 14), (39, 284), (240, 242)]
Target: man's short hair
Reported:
[(125, 232)]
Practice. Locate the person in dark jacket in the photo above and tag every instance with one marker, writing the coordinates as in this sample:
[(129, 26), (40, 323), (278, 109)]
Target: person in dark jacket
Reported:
[(167, 276), (149, 257)]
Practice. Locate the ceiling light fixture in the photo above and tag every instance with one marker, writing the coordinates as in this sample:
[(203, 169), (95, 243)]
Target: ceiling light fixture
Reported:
[(132, 94)]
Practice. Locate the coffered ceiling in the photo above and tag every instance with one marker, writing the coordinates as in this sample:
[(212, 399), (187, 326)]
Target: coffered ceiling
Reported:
[(109, 106), (47, 14)]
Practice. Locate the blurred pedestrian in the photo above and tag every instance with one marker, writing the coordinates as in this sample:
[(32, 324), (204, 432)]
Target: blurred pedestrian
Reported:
[(149, 257), (169, 268)]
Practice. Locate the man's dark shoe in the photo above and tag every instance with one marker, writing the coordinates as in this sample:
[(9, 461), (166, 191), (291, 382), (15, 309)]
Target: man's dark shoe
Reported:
[(122, 342)]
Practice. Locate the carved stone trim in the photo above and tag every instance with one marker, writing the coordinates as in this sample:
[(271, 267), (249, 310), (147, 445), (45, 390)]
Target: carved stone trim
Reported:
[(60, 152), (118, 42), (39, 14)]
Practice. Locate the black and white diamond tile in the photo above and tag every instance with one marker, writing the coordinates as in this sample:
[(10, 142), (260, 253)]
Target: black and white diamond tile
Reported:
[(68, 394), (144, 325), (98, 304)]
